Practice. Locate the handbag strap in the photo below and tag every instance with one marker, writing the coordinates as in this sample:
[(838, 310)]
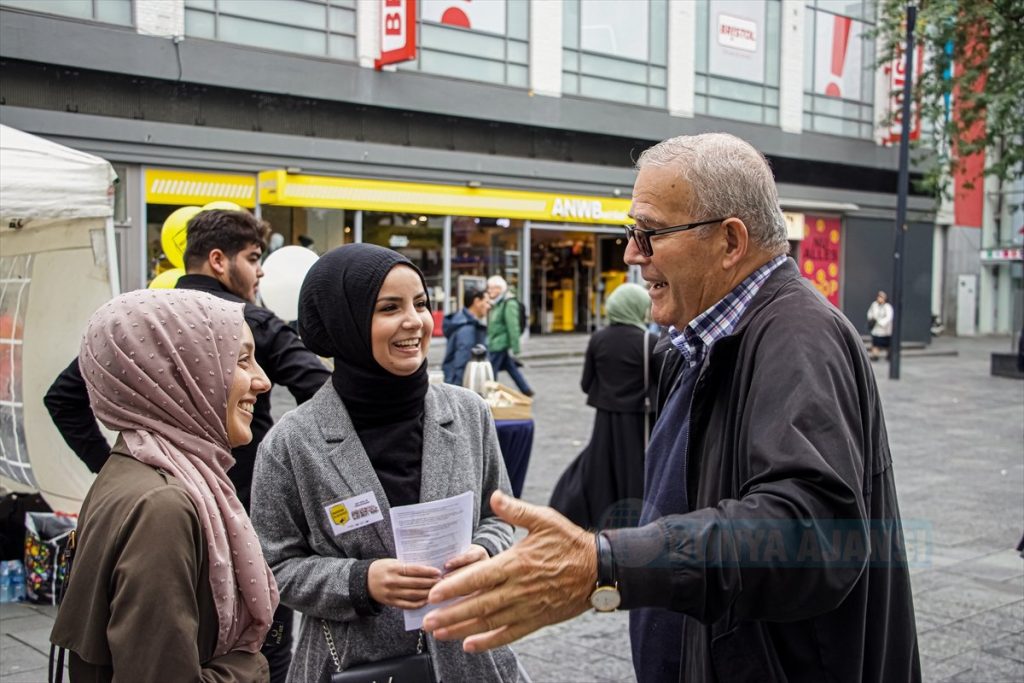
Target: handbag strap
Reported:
[(55, 674), (330, 646), (420, 645)]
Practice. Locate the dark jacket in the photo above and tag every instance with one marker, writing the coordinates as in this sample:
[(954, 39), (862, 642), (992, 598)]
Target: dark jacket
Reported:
[(139, 602), (279, 351), (788, 453), (613, 370), (463, 331)]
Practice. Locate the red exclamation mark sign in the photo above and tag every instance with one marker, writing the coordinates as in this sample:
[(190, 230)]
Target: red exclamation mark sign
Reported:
[(840, 41)]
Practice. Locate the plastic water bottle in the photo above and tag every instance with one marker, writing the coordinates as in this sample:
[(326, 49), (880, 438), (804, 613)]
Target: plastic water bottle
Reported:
[(17, 578), (5, 582)]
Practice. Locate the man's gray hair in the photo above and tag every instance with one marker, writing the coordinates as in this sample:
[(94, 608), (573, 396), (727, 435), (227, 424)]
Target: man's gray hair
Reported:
[(498, 281), (726, 177)]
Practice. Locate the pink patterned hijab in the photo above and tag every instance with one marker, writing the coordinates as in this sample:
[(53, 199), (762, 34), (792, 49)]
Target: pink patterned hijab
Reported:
[(158, 365)]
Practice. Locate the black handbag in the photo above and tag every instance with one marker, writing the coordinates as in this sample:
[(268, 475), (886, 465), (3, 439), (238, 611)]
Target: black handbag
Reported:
[(417, 668)]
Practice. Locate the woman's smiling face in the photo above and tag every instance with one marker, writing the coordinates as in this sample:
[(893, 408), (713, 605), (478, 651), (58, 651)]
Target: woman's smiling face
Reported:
[(247, 382), (401, 326)]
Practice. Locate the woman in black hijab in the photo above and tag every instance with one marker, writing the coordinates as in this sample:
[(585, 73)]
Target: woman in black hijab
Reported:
[(378, 435)]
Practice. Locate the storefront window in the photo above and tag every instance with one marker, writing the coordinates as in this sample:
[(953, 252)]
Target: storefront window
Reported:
[(839, 71), (616, 50), (110, 11), (573, 271), (319, 229), (737, 60), (156, 261), (481, 41), (417, 237), (316, 27), (482, 247)]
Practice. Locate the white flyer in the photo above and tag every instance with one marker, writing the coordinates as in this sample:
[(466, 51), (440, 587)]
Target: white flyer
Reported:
[(431, 534)]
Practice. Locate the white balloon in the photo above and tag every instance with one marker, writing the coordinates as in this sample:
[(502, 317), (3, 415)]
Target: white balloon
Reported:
[(283, 273)]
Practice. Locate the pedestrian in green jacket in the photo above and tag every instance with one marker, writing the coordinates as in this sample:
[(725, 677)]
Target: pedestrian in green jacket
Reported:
[(503, 330)]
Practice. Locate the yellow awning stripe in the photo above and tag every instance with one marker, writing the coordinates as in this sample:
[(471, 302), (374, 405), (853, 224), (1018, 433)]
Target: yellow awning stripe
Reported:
[(187, 188)]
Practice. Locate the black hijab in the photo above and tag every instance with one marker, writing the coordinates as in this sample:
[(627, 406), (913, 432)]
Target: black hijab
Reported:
[(336, 306)]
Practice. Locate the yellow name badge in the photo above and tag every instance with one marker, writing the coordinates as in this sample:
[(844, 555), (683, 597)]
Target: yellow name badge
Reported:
[(353, 513)]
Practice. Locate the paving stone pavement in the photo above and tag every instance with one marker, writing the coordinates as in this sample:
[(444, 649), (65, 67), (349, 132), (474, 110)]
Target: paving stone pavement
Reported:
[(957, 437)]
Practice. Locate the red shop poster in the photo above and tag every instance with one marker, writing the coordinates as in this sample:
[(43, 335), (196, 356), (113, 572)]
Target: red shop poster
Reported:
[(819, 255)]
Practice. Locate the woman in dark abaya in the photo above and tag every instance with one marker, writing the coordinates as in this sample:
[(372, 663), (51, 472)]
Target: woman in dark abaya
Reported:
[(603, 487)]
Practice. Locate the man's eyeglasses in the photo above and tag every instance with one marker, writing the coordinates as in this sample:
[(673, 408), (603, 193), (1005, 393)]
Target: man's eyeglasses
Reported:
[(643, 237)]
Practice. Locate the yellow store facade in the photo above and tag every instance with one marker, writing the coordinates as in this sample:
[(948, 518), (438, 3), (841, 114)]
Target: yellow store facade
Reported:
[(562, 252)]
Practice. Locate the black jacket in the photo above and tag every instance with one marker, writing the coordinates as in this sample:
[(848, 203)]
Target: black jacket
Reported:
[(613, 370), (279, 351), (792, 565)]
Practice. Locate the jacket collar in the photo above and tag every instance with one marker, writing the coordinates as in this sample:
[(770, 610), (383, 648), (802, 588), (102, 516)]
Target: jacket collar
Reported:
[(782, 276), (205, 283), (336, 426)]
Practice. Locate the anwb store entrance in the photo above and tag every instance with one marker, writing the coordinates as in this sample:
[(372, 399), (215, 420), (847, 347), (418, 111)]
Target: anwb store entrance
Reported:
[(572, 272)]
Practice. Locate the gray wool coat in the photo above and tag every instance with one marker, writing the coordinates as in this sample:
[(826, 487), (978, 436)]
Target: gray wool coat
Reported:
[(311, 458)]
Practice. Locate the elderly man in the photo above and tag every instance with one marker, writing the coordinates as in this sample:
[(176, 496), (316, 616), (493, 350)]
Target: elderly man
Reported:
[(503, 330), (770, 547)]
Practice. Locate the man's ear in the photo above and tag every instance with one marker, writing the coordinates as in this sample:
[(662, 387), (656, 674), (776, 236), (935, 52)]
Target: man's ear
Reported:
[(217, 260), (737, 242)]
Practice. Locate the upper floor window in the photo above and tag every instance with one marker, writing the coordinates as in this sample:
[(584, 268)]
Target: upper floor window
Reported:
[(314, 27), (470, 39), (737, 60), (615, 50), (839, 73), (109, 11)]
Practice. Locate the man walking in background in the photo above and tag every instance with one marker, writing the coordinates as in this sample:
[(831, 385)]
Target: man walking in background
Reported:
[(503, 329), (222, 257), (464, 330)]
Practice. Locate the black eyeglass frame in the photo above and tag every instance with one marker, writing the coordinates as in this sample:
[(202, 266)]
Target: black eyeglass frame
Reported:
[(643, 237)]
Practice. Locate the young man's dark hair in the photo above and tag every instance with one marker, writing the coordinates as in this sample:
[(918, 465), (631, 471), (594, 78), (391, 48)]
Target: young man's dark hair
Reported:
[(471, 296), (229, 231)]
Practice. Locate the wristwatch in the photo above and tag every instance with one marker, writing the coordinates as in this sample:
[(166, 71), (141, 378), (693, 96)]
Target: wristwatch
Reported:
[(606, 597)]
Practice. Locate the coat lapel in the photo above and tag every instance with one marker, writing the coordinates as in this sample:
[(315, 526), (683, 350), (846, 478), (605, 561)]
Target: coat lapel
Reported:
[(348, 457), (439, 444)]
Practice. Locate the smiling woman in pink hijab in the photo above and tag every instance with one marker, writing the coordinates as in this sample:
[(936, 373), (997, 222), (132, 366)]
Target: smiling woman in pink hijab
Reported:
[(169, 583)]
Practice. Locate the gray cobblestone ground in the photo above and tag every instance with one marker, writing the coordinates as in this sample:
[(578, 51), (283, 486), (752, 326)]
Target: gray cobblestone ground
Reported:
[(957, 437)]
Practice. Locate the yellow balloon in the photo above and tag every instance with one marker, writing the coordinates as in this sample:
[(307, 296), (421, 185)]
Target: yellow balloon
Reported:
[(223, 206), (166, 279), (174, 233)]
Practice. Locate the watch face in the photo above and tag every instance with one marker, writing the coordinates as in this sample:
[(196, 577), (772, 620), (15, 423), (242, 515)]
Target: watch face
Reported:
[(605, 599)]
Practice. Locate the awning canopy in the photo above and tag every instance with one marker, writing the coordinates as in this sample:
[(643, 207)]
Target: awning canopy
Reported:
[(41, 181)]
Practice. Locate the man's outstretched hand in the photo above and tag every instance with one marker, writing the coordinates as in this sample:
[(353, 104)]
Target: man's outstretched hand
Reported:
[(544, 579)]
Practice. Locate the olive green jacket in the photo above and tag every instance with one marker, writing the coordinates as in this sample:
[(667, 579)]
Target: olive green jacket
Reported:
[(503, 325)]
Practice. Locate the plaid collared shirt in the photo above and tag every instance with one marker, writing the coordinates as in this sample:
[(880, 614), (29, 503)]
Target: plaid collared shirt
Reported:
[(720, 320)]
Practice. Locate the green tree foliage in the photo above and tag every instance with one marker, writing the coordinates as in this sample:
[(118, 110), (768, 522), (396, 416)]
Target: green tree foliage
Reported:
[(985, 40)]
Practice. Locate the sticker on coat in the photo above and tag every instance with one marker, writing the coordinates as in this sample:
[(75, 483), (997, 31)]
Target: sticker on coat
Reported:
[(353, 513)]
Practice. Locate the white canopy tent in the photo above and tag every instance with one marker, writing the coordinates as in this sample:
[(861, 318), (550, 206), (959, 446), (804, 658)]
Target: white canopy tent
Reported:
[(57, 265)]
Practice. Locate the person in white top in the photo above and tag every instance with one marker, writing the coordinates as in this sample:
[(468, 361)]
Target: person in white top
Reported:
[(880, 323)]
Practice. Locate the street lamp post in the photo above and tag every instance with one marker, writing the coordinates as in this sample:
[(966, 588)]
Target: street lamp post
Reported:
[(901, 201)]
